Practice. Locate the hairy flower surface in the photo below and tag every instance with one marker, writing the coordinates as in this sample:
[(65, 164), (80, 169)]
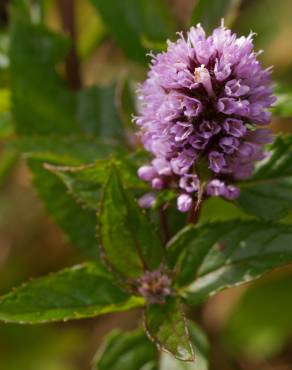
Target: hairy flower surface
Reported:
[(205, 101)]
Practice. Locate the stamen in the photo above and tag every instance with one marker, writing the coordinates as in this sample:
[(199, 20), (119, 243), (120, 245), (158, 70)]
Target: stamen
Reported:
[(202, 76)]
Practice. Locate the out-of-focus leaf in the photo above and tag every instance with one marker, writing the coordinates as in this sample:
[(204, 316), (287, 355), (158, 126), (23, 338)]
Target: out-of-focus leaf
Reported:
[(201, 350), (8, 158), (210, 12), (167, 327), (97, 112), (283, 106), (80, 291), (211, 257), (6, 126), (127, 351), (40, 101), (268, 193), (150, 18), (254, 328), (78, 223), (85, 182), (127, 238)]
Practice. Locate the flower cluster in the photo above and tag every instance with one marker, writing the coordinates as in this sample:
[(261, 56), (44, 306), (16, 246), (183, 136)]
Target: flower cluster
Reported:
[(204, 102), (155, 286)]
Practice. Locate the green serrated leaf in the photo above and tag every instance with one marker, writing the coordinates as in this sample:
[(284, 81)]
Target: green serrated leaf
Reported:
[(268, 193), (167, 327), (212, 257), (210, 12), (80, 291), (128, 239), (78, 223), (127, 351), (85, 182)]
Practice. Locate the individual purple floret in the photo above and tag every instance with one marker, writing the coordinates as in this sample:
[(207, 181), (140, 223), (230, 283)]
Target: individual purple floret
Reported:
[(204, 104)]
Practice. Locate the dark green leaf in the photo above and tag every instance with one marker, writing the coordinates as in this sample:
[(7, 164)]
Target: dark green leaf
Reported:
[(268, 194), (127, 351), (41, 103), (201, 349), (80, 291), (210, 12), (97, 112), (150, 19), (215, 256), (167, 327), (128, 239), (261, 320)]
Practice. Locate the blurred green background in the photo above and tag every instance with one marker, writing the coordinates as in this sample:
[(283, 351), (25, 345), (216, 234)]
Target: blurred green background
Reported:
[(250, 327)]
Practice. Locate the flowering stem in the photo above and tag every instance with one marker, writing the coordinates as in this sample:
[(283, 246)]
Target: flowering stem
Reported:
[(164, 225)]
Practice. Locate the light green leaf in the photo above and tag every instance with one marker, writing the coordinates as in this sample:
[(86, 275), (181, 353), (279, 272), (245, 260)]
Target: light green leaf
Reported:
[(268, 193), (261, 321), (283, 106), (211, 257), (127, 351), (127, 238), (201, 350), (210, 12), (167, 327), (80, 291)]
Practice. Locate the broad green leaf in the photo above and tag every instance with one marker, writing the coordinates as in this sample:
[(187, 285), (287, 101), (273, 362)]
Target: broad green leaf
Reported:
[(211, 257), (261, 321), (85, 182), (97, 112), (78, 223), (137, 19), (80, 291), (127, 238), (167, 327), (127, 351), (40, 101), (268, 193), (201, 350), (210, 12)]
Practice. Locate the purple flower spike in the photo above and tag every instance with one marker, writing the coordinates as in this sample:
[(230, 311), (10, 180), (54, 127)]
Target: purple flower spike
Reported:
[(204, 103)]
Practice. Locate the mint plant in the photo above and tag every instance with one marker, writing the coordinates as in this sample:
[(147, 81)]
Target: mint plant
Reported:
[(135, 216)]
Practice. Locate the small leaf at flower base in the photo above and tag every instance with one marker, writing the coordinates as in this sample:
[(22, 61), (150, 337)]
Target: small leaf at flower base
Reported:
[(201, 349), (127, 351), (77, 292), (128, 240), (268, 193), (210, 12), (209, 258), (167, 327)]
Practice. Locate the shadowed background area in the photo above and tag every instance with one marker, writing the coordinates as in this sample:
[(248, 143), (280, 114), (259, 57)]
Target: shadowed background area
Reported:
[(249, 327)]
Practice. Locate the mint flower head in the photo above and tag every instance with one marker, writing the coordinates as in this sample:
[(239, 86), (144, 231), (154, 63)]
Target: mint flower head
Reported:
[(204, 101)]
